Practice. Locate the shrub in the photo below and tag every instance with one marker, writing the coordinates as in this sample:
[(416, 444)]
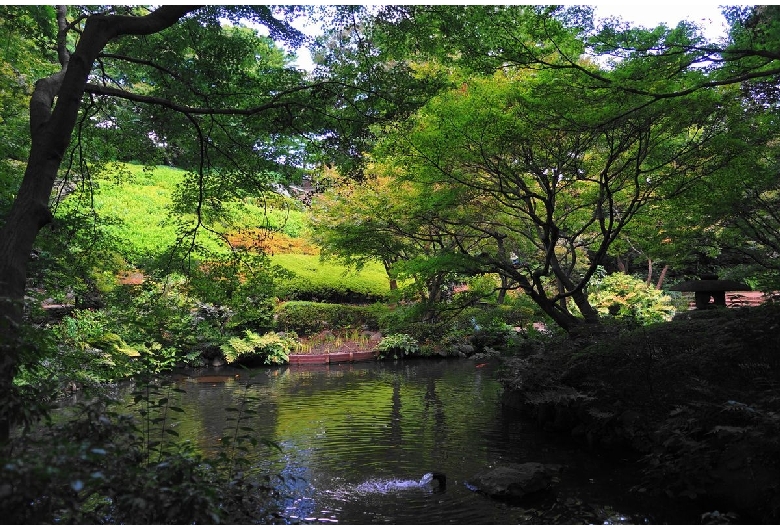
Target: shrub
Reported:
[(271, 348), (626, 297), (160, 312), (312, 279), (88, 352), (398, 345), (306, 318), (410, 320)]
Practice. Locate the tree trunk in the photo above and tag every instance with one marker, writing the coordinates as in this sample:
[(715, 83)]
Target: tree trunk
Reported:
[(649, 272), (662, 277), (391, 276), (51, 126), (503, 290), (564, 319)]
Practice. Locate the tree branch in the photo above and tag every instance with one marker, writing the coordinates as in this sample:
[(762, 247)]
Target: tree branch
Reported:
[(62, 36), (184, 109)]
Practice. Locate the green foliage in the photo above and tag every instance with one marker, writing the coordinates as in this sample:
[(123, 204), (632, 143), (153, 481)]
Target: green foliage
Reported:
[(279, 213), (89, 352), (411, 319), (241, 286), (28, 34), (97, 464), (353, 223), (89, 348), (307, 318), (161, 312), (270, 348), (312, 279), (626, 297), (398, 345), (133, 207), (91, 472)]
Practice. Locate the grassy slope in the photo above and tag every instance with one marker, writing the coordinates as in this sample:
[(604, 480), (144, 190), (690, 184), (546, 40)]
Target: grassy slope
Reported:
[(138, 200)]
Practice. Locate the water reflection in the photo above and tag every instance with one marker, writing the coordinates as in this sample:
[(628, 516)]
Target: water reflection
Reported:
[(359, 440)]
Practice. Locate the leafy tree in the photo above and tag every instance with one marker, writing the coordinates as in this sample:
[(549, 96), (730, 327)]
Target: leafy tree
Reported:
[(181, 84), (393, 222), (97, 64), (26, 33), (546, 172), (376, 80), (353, 222), (650, 66)]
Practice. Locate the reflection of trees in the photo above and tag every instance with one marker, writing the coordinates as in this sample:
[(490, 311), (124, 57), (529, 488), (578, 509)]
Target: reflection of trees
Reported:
[(206, 405), (373, 420), (396, 429), (432, 400)]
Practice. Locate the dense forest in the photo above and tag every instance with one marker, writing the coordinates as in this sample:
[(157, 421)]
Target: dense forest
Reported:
[(525, 182)]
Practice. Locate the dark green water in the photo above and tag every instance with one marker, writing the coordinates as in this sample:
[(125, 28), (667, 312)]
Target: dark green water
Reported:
[(358, 439)]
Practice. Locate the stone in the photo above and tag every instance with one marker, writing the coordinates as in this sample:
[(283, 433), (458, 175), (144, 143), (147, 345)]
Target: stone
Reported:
[(464, 350), (517, 481), (218, 361)]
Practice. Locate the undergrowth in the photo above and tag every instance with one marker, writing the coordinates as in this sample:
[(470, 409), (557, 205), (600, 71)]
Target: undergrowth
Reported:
[(697, 396), (104, 464)]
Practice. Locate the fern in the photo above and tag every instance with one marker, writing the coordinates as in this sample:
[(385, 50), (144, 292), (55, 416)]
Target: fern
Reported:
[(271, 348)]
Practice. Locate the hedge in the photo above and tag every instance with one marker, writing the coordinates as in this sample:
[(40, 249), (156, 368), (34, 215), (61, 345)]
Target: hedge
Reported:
[(306, 318)]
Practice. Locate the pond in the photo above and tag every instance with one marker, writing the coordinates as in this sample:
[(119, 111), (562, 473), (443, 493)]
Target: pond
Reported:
[(358, 439)]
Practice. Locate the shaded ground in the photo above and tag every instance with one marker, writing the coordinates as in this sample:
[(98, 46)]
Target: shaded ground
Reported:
[(696, 397)]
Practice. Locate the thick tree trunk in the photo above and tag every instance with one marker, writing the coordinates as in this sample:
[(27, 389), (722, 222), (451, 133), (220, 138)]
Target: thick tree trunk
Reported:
[(51, 126), (564, 319), (558, 313)]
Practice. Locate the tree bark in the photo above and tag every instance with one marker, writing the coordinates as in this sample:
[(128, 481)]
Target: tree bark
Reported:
[(54, 108), (649, 272), (662, 277)]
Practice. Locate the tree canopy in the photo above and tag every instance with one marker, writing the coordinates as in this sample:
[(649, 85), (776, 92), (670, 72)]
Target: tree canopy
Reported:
[(532, 142)]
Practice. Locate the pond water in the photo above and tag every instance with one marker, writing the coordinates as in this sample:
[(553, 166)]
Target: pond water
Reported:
[(358, 439)]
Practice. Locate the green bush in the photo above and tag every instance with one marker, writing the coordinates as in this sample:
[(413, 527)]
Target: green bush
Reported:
[(159, 312), (271, 348), (306, 318), (398, 345), (625, 297), (242, 288), (410, 319), (311, 279), (483, 324), (89, 351)]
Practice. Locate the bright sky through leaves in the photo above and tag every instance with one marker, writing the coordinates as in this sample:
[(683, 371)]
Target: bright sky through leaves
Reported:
[(647, 14), (650, 14)]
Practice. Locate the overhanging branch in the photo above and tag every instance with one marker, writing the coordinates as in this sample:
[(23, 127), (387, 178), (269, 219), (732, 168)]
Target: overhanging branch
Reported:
[(184, 109)]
